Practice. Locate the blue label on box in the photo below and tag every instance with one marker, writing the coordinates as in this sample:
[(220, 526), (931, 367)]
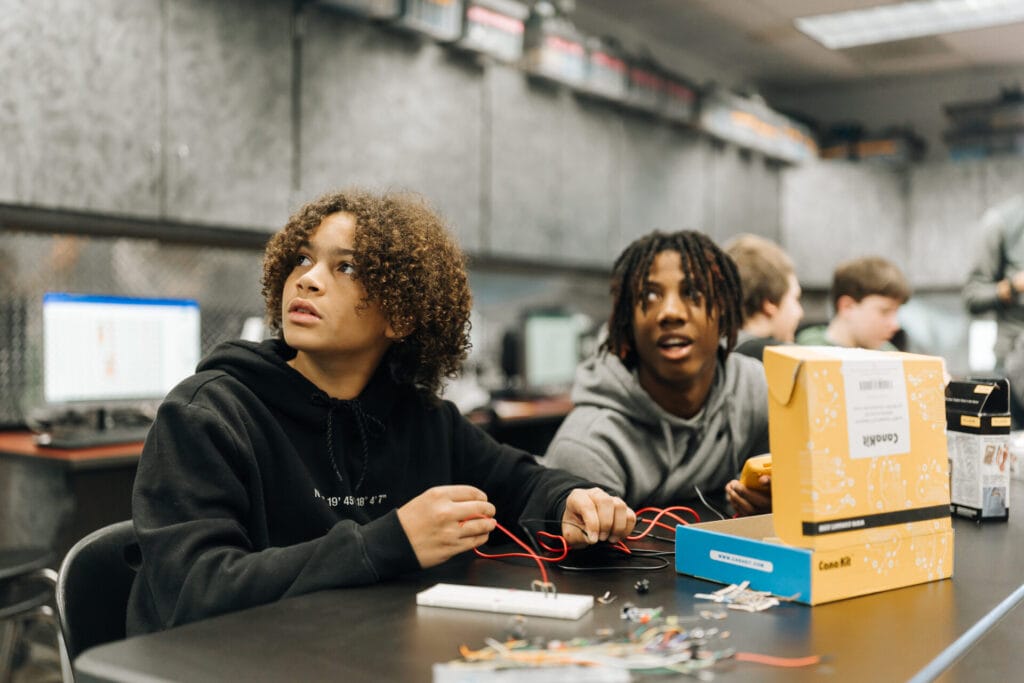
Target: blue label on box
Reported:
[(783, 570)]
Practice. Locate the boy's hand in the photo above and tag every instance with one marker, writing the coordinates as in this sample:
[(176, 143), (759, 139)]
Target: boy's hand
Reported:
[(605, 518), (747, 501), (444, 521)]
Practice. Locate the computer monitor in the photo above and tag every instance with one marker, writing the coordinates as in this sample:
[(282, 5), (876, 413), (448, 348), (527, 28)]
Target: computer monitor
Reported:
[(550, 342), (100, 350)]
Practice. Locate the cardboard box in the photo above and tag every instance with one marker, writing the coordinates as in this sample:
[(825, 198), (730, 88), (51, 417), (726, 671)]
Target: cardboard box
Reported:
[(860, 482), (746, 549), (978, 435)]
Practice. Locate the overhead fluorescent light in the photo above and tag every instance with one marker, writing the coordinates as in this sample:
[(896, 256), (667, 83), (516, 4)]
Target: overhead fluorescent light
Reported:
[(899, 21)]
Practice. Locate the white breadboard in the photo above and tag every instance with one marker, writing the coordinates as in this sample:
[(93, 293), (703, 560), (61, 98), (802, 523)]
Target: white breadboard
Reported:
[(510, 600)]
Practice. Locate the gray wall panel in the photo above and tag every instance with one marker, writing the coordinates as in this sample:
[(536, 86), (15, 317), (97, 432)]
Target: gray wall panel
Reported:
[(229, 155), (729, 191), (526, 125), (945, 202), (832, 211), (183, 109), (588, 212), (744, 195), (1004, 178), (390, 111), (80, 104), (663, 180)]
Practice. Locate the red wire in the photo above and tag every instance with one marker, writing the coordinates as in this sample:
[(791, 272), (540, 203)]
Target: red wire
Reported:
[(661, 512), (530, 554), (563, 551)]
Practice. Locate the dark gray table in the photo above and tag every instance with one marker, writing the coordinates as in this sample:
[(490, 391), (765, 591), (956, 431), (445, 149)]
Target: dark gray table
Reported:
[(997, 656), (379, 634)]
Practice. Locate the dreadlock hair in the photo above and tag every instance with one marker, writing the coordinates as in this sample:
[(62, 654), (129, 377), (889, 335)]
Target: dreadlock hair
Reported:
[(710, 275)]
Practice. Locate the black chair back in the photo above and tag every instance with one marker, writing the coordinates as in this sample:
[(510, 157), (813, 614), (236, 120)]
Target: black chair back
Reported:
[(93, 585)]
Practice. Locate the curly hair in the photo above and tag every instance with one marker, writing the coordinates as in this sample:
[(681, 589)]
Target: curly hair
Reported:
[(709, 272), (409, 265), (764, 270)]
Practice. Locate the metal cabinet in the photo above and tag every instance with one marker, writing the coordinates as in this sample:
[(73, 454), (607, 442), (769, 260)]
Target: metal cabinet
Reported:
[(390, 111), (944, 204), (77, 128), (831, 211), (662, 180), (228, 158), (744, 194), (154, 109)]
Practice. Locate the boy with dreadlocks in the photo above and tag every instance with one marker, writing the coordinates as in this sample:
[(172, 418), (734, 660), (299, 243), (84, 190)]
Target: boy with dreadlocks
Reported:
[(664, 414), (322, 458)]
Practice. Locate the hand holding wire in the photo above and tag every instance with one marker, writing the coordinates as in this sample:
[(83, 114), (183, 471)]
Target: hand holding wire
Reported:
[(444, 521), (593, 515)]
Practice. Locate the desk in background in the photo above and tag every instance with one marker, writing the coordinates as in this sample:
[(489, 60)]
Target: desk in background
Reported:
[(53, 497), (525, 424), (378, 633)]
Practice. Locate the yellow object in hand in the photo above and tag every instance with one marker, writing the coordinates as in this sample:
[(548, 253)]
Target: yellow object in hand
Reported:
[(753, 468)]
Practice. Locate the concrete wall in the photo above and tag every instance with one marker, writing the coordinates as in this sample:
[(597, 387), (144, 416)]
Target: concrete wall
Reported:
[(231, 112)]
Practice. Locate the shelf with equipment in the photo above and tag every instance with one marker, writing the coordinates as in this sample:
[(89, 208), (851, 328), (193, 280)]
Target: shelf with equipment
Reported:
[(495, 28), (749, 122), (986, 127), (374, 9), (541, 39)]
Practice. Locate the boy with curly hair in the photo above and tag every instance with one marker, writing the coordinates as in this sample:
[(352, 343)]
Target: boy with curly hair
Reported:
[(322, 458), (665, 414)]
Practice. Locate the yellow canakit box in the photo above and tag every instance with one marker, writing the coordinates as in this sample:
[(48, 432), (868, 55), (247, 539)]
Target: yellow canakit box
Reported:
[(860, 482)]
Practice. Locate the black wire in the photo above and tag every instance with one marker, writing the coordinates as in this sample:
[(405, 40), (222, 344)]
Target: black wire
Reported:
[(650, 552), (661, 563), (531, 537), (631, 558)]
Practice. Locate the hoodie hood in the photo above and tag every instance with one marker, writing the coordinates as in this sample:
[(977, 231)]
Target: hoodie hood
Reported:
[(263, 369), (618, 437), (602, 381)]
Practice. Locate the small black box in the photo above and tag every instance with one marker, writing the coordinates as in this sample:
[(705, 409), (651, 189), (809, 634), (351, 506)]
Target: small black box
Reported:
[(978, 439)]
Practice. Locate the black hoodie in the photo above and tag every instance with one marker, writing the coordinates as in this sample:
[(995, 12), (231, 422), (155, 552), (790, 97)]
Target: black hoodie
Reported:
[(254, 485)]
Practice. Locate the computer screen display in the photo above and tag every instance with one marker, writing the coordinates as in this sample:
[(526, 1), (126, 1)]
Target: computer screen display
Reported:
[(551, 343), (110, 348)]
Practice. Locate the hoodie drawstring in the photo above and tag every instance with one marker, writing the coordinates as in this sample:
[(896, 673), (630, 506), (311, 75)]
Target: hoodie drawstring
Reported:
[(364, 423), (670, 443)]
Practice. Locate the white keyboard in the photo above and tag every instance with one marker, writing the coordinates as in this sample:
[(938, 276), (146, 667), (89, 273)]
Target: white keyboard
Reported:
[(510, 600)]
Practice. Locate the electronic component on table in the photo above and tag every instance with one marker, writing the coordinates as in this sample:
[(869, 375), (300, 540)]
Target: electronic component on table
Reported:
[(753, 468), (507, 600)]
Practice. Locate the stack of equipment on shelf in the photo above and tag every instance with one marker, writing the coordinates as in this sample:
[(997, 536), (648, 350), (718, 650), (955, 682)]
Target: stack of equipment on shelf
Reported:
[(983, 128)]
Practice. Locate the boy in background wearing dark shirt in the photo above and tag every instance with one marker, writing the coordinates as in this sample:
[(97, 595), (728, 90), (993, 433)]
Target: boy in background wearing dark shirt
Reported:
[(771, 294), (322, 458)]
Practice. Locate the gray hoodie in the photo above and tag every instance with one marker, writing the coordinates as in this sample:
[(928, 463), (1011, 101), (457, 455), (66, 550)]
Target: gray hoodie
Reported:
[(1000, 255), (619, 438)]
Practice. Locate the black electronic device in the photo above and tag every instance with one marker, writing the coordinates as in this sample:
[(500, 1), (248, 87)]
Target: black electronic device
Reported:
[(541, 354)]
